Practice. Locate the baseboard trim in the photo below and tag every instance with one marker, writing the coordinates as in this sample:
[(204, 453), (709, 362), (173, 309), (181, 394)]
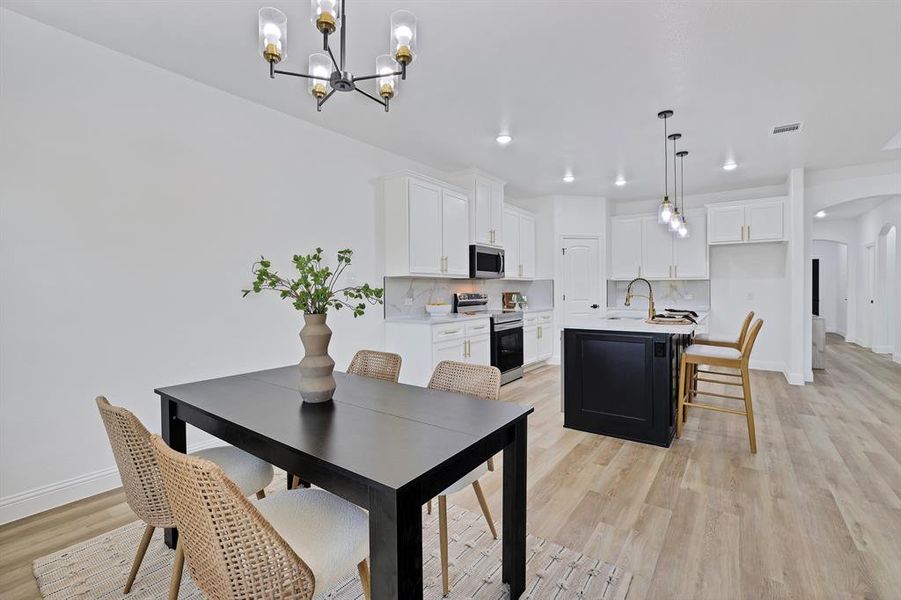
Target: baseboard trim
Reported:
[(794, 378), (896, 358), (767, 365), (37, 500), (882, 349)]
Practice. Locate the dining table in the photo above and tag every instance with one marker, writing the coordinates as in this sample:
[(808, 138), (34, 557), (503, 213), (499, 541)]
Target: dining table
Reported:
[(386, 447)]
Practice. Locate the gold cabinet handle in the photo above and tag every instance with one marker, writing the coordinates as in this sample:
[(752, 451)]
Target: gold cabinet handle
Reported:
[(466, 349), (676, 270)]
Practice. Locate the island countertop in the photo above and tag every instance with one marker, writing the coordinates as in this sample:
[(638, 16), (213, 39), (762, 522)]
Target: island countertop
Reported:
[(635, 322)]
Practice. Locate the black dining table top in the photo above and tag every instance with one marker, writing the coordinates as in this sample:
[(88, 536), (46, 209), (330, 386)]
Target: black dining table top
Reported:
[(387, 433)]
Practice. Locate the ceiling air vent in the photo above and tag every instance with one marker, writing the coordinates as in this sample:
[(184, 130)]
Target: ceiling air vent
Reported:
[(787, 128)]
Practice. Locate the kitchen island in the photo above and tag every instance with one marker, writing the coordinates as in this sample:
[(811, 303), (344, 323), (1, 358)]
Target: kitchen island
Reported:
[(620, 376)]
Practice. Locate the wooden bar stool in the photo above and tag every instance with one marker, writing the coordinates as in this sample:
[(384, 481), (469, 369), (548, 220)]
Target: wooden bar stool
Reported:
[(704, 340), (697, 355)]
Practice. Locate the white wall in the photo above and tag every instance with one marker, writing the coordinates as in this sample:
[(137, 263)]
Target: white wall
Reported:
[(833, 257), (133, 204), (856, 234)]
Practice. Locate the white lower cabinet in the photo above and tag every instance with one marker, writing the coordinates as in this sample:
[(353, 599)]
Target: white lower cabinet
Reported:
[(423, 345), (538, 337)]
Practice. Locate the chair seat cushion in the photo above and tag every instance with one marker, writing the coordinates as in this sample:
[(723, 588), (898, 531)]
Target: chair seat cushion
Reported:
[(249, 472), (705, 351), (328, 533), (466, 480)]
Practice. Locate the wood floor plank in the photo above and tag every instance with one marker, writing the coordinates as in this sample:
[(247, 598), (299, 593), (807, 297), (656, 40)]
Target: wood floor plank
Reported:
[(815, 514)]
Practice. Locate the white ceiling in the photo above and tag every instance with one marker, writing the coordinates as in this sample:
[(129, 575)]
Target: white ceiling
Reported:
[(854, 208), (577, 84)]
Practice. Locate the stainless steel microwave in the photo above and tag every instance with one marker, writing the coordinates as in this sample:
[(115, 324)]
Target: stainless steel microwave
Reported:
[(486, 262)]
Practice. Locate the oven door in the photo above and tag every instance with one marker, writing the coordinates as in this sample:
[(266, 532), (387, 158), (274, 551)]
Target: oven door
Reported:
[(486, 262), (506, 347)]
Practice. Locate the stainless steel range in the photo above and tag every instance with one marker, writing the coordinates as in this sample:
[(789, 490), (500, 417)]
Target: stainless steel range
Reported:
[(506, 333)]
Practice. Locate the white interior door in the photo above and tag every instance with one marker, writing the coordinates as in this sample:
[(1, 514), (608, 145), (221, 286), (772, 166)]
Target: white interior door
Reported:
[(581, 288), (454, 236), (869, 293)]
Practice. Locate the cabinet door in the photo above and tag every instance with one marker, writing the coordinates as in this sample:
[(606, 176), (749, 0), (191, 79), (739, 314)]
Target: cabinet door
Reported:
[(530, 345), (725, 224), (497, 213), (656, 249), (511, 245), (527, 246), (545, 341), (425, 228), (482, 207), (690, 253), (455, 233), (450, 350), (479, 350), (625, 248), (764, 221)]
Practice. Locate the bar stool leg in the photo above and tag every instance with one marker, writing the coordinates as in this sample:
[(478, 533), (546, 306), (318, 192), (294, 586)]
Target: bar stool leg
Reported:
[(746, 392), (682, 389)]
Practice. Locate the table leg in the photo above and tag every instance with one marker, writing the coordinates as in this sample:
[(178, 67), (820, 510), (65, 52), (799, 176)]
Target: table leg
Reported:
[(395, 545), (514, 542), (173, 430)]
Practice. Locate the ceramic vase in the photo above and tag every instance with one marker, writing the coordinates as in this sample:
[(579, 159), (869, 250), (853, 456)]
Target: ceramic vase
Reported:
[(317, 384)]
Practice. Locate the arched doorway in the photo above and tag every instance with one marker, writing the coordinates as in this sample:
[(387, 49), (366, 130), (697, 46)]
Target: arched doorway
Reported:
[(883, 315)]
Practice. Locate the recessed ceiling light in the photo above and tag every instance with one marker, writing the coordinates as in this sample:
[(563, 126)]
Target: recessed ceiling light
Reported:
[(504, 139), (820, 214), (620, 181), (730, 165), (568, 178)]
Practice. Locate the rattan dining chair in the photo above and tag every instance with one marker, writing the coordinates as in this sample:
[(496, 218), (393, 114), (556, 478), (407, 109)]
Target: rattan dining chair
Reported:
[(375, 364), (140, 474), (293, 544), (697, 355), (484, 382)]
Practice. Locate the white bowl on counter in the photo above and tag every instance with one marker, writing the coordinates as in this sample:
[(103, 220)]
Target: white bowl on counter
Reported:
[(438, 310)]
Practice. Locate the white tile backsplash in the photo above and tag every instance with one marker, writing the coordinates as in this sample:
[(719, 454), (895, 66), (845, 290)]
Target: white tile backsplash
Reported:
[(693, 295), (408, 296)]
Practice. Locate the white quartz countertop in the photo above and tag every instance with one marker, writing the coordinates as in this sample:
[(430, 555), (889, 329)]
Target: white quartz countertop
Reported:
[(538, 309), (635, 322), (426, 319)]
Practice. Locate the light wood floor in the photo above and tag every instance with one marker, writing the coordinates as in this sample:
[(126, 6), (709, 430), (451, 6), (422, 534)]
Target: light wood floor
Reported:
[(815, 514)]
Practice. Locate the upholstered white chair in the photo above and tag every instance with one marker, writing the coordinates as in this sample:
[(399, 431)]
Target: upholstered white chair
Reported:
[(293, 544), (140, 474)]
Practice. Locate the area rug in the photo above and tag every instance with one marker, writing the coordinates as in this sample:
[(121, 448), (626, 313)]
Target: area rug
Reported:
[(98, 568)]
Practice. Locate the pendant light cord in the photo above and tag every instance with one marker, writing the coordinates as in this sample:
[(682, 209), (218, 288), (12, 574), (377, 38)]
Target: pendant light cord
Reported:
[(665, 162), (675, 182)]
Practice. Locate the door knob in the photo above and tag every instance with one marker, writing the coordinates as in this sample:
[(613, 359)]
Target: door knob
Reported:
[(595, 306)]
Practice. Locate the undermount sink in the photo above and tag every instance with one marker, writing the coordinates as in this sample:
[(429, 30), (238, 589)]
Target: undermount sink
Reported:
[(629, 318)]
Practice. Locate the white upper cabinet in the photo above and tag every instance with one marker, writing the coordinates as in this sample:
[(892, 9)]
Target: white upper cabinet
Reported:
[(454, 227), (641, 247), (690, 259), (527, 246), (726, 224), (764, 221), (426, 224), (750, 221), (519, 244), (656, 250), (426, 254), (511, 244), (625, 247), (486, 214)]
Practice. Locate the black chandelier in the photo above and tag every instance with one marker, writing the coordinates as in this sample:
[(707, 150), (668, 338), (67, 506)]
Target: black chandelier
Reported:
[(327, 75)]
